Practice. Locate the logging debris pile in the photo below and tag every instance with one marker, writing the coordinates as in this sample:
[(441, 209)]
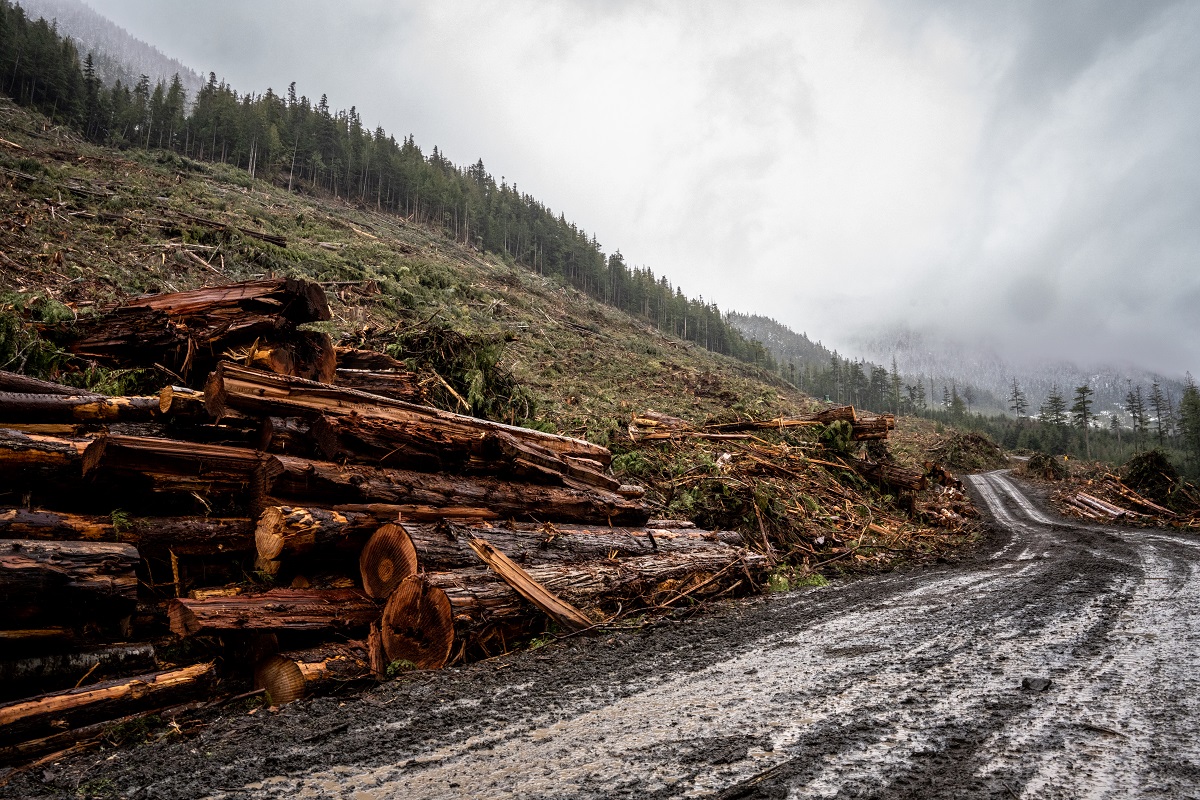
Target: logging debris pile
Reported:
[(1147, 492), (798, 489), (287, 517), (969, 452)]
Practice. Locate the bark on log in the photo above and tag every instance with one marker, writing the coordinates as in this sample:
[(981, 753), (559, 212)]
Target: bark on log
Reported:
[(25, 457), (183, 535), (891, 475), (57, 408), (333, 484), (99, 662), (241, 388), (408, 547), (178, 466), (294, 299), (274, 611), (82, 577), (50, 713), (417, 446), (435, 617), (400, 385), (285, 532), (872, 428), (302, 354), (15, 382)]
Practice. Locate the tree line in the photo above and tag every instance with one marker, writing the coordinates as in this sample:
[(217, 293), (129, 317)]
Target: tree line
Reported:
[(307, 146)]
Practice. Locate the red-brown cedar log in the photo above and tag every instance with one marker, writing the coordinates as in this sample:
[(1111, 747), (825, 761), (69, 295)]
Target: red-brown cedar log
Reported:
[(327, 483), (398, 550), (433, 618), (274, 611), (890, 475), (293, 299), (50, 713), (264, 393), (303, 354), (41, 578), (182, 535)]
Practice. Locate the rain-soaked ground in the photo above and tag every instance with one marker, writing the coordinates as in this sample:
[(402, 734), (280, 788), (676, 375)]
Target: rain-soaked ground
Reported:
[(926, 683)]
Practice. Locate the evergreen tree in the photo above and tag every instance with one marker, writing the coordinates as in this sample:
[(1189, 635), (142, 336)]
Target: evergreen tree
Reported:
[(1135, 405), (1081, 414), (1016, 400), (1189, 423), (1054, 410), (1162, 412)]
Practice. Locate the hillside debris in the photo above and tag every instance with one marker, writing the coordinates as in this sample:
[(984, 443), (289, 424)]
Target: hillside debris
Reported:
[(419, 535), (653, 426)]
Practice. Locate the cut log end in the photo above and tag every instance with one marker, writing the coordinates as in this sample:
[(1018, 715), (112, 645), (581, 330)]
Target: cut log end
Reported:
[(418, 625), (282, 678), (182, 620), (388, 558), (268, 535)]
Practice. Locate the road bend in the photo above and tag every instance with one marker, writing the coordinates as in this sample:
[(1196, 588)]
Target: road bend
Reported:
[(1057, 660)]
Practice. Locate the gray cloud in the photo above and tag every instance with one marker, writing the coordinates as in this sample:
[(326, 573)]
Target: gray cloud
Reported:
[(1024, 173)]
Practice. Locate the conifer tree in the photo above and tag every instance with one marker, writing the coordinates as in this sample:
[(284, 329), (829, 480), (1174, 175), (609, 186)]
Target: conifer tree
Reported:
[(1081, 414), (1016, 400)]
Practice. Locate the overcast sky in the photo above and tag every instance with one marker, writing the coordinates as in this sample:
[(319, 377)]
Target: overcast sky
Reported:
[(1024, 173)]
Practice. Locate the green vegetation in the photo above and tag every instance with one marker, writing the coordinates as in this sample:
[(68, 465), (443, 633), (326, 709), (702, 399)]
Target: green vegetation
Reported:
[(306, 146)]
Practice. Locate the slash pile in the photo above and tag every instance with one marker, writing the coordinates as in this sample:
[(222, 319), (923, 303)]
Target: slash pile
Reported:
[(290, 511)]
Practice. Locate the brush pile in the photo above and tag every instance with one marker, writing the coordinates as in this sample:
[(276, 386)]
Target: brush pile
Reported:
[(287, 511), (799, 488), (1148, 492)]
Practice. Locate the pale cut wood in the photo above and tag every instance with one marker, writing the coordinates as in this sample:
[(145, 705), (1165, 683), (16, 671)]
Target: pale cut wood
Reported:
[(50, 713), (524, 584), (242, 388)]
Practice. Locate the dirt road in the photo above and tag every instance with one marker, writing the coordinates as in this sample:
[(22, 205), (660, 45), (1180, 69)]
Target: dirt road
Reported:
[(904, 685)]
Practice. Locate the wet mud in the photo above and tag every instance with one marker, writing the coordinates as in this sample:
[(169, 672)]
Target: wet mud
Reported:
[(1052, 660)]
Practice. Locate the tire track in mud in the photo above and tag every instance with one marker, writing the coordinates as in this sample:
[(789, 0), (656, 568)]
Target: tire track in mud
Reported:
[(902, 685)]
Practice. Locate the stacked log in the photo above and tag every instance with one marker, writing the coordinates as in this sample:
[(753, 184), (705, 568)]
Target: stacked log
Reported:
[(363, 515)]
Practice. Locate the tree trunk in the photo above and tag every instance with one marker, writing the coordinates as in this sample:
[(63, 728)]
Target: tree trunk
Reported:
[(58, 408), (241, 388), (274, 611), (433, 617), (396, 385), (49, 713), (66, 578), (334, 484), (179, 466), (96, 663), (285, 532), (183, 535), (31, 457), (294, 299), (397, 551), (890, 475), (15, 382)]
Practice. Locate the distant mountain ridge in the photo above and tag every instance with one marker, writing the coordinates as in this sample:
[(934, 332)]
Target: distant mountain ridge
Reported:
[(116, 53)]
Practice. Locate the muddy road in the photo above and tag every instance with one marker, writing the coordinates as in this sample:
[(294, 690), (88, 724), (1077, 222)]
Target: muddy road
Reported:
[(926, 683)]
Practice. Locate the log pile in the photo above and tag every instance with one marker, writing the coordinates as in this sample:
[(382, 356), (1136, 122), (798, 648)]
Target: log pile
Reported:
[(382, 534)]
